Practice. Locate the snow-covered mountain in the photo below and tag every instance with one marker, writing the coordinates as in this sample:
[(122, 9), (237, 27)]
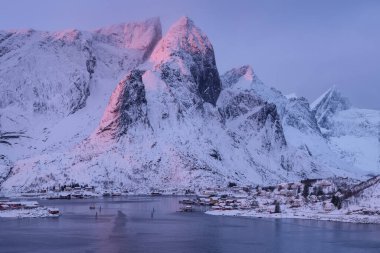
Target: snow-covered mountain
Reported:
[(55, 75), (299, 125), (121, 107), (353, 133), (54, 86)]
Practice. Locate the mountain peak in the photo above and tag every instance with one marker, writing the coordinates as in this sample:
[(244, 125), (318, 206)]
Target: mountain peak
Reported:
[(291, 96), (241, 77), (187, 51), (183, 35), (137, 35), (328, 104), (246, 72), (331, 96), (184, 21)]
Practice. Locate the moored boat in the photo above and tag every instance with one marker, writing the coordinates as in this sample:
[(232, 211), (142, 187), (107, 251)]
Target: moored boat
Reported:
[(53, 210)]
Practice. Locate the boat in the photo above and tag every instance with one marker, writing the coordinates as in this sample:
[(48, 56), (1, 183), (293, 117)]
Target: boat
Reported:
[(4, 207), (187, 202), (216, 208), (60, 196), (52, 196), (155, 193), (53, 210), (186, 209), (31, 204), (65, 196), (77, 194)]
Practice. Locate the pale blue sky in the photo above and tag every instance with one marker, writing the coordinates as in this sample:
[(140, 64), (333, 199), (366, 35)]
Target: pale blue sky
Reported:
[(296, 46)]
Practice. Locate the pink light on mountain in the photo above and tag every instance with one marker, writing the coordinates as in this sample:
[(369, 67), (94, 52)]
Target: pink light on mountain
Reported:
[(181, 35)]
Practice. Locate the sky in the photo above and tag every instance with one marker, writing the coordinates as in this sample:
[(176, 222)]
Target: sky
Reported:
[(301, 47)]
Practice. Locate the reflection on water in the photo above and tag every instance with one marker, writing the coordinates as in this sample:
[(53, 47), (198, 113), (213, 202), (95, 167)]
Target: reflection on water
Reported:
[(152, 224)]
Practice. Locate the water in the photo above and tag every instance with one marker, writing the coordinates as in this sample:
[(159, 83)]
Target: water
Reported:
[(128, 224)]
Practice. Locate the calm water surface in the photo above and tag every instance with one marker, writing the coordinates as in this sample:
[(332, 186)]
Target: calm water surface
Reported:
[(128, 224)]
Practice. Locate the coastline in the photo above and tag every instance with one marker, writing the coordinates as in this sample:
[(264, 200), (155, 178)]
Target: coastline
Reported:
[(333, 216)]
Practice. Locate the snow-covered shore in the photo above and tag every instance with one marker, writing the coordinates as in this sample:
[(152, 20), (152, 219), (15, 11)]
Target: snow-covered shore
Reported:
[(26, 209), (312, 199), (39, 212), (332, 216)]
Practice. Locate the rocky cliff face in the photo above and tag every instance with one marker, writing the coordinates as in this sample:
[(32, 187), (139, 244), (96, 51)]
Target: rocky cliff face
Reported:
[(186, 51), (127, 106), (246, 113)]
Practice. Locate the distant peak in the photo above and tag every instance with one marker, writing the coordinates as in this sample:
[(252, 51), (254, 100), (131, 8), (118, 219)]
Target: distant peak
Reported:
[(330, 90), (135, 35), (333, 88), (244, 73), (155, 21), (69, 35), (22, 31), (291, 96), (247, 72), (329, 96), (328, 104)]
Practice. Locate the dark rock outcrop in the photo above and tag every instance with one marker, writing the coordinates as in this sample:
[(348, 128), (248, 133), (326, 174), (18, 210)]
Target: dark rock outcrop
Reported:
[(186, 45), (127, 106)]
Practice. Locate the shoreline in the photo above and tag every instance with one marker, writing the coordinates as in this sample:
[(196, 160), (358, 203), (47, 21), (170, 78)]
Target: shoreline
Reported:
[(335, 217)]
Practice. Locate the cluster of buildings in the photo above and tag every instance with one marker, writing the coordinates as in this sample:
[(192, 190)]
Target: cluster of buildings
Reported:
[(14, 205), (26, 209), (270, 199)]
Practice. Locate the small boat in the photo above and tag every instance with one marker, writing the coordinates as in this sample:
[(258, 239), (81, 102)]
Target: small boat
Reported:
[(216, 208), (92, 206), (155, 193), (4, 207), (31, 204), (53, 210), (59, 196), (52, 196), (187, 202), (186, 209), (65, 196), (77, 195)]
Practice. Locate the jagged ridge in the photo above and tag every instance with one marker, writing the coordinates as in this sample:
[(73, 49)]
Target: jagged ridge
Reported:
[(170, 122)]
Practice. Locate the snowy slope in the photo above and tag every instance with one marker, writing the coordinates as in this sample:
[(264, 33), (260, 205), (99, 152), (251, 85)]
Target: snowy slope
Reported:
[(298, 122), (369, 198), (353, 133), (160, 128), (121, 107), (55, 86)]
